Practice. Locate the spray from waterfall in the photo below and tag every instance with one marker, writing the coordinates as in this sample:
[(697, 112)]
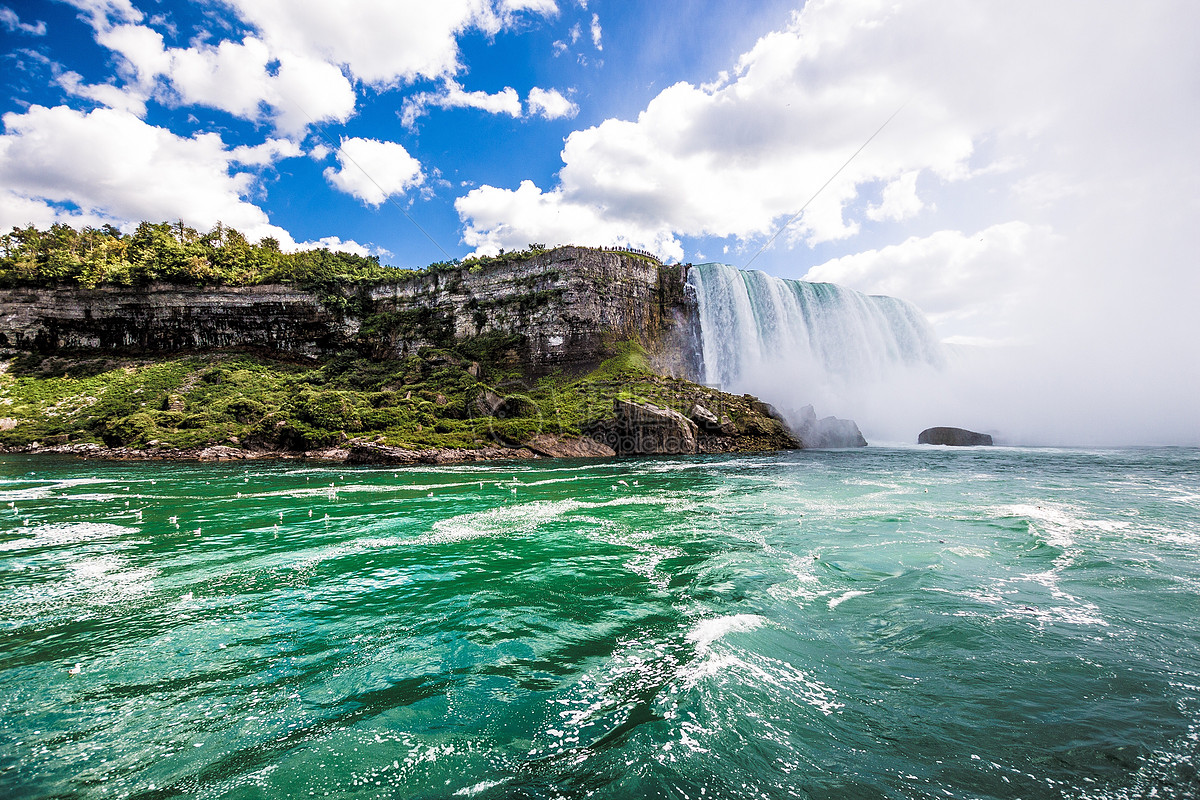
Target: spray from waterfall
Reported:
[(795, 343)]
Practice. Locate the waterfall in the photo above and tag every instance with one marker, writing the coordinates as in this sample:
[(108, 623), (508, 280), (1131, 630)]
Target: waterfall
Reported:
[(794, 343)]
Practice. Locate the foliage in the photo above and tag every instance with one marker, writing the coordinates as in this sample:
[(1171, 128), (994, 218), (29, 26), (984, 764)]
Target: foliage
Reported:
[(427, 400), (175, 253)]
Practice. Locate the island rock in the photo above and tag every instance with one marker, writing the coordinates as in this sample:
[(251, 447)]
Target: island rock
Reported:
[(954, 437)]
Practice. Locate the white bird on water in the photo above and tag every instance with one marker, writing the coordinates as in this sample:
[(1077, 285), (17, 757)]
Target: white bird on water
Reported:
[(75, 670)]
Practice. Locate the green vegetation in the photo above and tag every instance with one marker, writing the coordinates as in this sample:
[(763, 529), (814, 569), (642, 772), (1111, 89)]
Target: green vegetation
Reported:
[(437, 398), (175, 253)]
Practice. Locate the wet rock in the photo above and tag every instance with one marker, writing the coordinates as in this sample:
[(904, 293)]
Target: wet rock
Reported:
[(954, 437), (373, 453), (827, 432), (552, 446)]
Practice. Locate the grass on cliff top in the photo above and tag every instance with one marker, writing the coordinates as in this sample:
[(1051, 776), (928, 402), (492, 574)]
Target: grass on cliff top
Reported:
[(242, 400)]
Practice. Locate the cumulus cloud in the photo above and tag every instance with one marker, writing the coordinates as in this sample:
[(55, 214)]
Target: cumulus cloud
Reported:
[(453, 95), (106, 94), (966, 283), (373, 171), (735, 157), (550, 104), (59, 164), (381, 42), (294, 68), (265, 154), (504, 217), (900, 200), (236, 77), (343, 245)]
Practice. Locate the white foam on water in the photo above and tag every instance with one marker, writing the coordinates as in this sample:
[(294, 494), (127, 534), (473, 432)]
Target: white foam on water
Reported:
[(707, 631), (482, 786), (65, 534), (834, 602)]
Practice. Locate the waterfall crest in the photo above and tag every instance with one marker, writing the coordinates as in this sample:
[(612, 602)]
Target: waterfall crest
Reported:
[(794, 342)]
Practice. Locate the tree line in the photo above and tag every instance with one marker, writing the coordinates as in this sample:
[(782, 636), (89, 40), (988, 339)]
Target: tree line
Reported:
[(173, 253)]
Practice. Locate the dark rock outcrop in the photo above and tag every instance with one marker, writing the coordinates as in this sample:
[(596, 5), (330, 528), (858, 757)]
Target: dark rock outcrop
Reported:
[(551, 446), (644, 429), (370, 453), (827, 432), (954, 437)]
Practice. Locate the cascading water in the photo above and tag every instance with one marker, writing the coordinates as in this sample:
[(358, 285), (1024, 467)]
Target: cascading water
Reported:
[(795, 343)]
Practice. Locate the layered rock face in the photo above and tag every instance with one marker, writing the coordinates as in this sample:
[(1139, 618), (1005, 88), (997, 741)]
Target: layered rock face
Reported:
[(567, 302), (561, 307), (169, 318)]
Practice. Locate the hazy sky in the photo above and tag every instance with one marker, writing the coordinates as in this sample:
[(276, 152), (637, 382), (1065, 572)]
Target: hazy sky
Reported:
[(1038, 188)]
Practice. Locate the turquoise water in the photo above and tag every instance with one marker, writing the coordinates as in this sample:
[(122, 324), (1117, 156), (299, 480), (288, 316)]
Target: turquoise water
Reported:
[(899, 623)]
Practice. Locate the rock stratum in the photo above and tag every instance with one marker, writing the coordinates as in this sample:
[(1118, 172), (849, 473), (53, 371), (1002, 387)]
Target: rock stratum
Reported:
[(565, 306)]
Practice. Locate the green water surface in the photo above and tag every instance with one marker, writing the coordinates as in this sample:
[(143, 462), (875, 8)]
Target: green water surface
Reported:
[(883, 623)]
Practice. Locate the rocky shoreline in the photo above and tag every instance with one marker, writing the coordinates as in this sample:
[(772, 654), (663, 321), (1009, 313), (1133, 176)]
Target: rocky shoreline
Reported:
[(644, 429)]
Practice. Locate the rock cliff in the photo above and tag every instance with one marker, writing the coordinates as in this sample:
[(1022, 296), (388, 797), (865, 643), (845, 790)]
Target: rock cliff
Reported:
[(558, 308)]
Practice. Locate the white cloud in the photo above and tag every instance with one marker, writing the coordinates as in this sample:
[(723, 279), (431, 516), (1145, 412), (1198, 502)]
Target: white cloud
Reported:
[(102, 13), (112, 166), (381, 42), (452, 95), (510, 220), (596, 32), (899, 201), (231, 76), (546, 8), (967, 284), (10, 20), (291, 69), (345, 246), (373, 171), (106, 94), (550, 104), (737, 157), (267, 153)]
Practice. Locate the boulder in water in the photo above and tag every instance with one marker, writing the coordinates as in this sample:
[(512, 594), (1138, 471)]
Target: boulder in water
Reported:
[(827, 432), (548, 444), (954, 437)]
